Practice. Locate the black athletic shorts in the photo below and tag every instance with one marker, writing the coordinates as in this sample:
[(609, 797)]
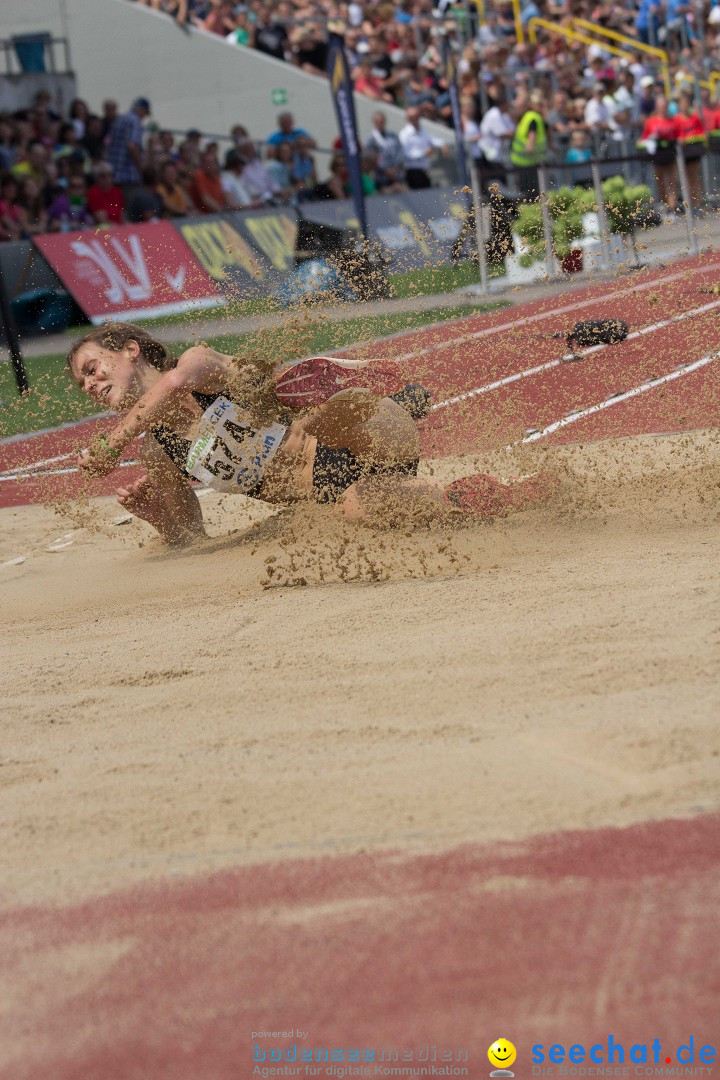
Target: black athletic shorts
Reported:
[(335, 470)]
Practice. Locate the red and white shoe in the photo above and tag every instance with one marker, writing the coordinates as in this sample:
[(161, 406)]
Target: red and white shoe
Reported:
[(306, 383), (489, 498)]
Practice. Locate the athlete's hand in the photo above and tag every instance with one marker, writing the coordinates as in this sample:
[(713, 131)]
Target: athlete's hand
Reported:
[(99, 459)]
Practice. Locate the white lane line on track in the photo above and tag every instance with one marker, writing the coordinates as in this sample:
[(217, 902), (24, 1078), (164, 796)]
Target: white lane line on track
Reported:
[(23, 472), (28, 472), (573, 417), (507, 379), (527, 320)]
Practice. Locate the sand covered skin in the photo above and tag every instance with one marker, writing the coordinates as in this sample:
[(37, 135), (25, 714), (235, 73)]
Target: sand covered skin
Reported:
[(295, 685)]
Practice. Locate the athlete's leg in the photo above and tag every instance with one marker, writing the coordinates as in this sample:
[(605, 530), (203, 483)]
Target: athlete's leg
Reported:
[(386, 498), (375, 430)]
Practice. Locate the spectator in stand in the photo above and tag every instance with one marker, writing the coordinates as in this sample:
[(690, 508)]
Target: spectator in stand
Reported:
[(389, 171), (710, 112), (238, 132), (93, 140), (366, 82), (647, 21), (529, 146), (419, 150), (34, 163), (69, 211), (175, 199), (659, 135), (691, 133), (145, 204), (255, 176), (368, 168), (597, 113), (579, 149), (11, 215), (302, 170), (270, 35), (8, 151), (32, 204), (237, 196), (648, 95), (206, 189), (308, 49), (626, 97), (278, 164), (109, 115), (496, 132), (560, 125), (167, 144), (220, 19), (79, 114), (104, 198), (287, 132), (68, 144), (125, 143), (243, 33)]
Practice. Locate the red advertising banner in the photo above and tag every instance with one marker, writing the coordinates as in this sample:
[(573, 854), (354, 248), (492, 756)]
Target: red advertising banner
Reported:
[(129, 271)]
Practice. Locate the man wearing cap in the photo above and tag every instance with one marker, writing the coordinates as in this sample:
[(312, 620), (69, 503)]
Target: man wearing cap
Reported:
[(124, 150)]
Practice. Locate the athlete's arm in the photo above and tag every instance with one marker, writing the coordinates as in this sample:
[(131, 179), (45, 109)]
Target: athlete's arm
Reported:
[(199, 368), (163, 497)]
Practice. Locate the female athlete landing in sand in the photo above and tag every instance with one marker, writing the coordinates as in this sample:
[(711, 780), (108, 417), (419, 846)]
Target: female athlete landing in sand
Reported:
[(231, 426)]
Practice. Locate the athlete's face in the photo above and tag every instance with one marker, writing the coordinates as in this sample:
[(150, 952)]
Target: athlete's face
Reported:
[(112, 379)]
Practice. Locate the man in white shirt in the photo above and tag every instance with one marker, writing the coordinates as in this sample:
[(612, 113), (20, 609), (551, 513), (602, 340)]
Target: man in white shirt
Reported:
[(597, 113), (254, 176), (496, 131), (418, 150), (390, 157), (237, 195)]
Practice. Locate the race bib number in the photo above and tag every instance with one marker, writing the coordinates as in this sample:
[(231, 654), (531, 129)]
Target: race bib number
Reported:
[(228, 454)]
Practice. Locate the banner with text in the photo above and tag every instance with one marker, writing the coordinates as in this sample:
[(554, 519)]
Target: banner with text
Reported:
[(130, 271)]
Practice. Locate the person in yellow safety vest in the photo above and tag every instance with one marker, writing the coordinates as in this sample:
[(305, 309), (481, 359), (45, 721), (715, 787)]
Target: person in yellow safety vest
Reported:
[(529, 146)]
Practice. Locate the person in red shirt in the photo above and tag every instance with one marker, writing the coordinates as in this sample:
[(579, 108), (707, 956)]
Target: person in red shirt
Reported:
[(691, 133), (710, 113), (661, 129), (105, 200), (206, 187)]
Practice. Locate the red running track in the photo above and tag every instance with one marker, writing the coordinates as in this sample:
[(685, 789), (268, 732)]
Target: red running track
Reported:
[(563, 939), (676, 310)]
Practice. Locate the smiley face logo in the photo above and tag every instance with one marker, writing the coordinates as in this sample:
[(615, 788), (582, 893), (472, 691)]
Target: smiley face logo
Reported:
[(502, 1054)]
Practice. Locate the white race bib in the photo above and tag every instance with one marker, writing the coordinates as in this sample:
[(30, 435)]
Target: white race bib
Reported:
[(228, 454)]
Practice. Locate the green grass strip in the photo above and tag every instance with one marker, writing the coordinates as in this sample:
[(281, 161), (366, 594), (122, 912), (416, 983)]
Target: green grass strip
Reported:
[(54, 399)]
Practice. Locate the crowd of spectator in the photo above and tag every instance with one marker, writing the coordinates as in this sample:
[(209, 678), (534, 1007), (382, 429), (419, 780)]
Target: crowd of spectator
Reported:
[(91, 170), (521, 104), (592, 101)]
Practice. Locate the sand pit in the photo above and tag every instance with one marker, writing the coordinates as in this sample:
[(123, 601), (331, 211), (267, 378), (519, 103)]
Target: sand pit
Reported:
[(171, 712)]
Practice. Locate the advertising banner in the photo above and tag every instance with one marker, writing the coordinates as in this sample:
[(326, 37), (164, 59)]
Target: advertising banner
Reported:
[(342, 92), (416, 229), (130, 271), (234, 264)]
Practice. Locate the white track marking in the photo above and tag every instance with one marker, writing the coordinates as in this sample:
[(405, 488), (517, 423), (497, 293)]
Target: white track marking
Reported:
[(528, 320), (507, 379), (573, 417), (25, 475), (36, 468)]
